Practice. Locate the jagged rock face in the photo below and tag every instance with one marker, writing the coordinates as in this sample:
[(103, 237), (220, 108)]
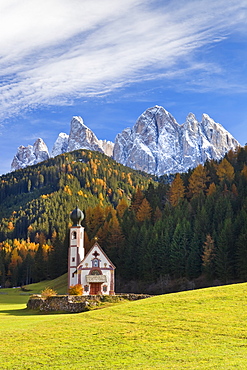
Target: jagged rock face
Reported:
[(29, 155), (81, 137), (157, 144), (61, 145), (107, 147)]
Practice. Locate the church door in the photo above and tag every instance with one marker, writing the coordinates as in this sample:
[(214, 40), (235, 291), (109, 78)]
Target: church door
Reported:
[(95, 288)]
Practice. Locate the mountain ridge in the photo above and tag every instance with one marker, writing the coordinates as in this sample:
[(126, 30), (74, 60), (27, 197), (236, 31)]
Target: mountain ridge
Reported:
[(156, 143)]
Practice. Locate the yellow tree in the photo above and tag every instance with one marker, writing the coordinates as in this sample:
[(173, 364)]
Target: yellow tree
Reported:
[(116, 236), (157, 214), (208, 256), (197, 180), (177, 190), (212, 189), (234, 190), (244, 171), (225, 171), (137, 200), (144, 212), (121, 207)]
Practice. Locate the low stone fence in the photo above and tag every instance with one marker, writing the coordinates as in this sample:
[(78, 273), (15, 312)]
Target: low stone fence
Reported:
[(71, 303)]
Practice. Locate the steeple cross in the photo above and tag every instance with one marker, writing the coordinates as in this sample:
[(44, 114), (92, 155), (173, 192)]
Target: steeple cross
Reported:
[(95, 254)]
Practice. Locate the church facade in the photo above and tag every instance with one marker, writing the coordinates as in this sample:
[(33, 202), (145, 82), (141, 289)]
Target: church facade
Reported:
[(94, 271)]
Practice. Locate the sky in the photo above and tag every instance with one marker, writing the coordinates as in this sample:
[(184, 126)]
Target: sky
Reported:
[(110, 60)]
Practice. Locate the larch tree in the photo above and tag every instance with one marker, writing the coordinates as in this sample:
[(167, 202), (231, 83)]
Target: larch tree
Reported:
[(198, 180), (177, 190), (225, 171), (137, 200), (212, 189), (144, 212), (208, 256), (121, 207)]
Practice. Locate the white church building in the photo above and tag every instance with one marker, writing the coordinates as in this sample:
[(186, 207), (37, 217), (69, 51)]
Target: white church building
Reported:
[(94, 271)]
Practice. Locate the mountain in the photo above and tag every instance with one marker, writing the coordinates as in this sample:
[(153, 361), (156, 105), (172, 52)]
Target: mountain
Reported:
[(157, 144), (80, 137), (164, 237), (61, 144), (29, 155)]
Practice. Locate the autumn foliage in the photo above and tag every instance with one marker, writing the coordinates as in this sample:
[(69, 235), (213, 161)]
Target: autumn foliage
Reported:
[(182, 225), (76, 289)]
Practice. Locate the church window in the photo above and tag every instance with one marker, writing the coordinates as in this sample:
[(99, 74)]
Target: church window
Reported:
[(86, 288), (104, 288), (95, 272), (73, 236), (73, 259), (95, 262)]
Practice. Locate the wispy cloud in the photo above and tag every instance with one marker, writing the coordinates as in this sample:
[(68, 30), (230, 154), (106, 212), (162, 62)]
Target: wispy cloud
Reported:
[(52, 52)]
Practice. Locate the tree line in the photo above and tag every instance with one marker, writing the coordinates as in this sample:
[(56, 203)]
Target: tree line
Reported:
[(154, 230)]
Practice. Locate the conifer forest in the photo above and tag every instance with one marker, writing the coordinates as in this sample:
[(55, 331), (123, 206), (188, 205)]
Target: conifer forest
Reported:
[(163, 234)]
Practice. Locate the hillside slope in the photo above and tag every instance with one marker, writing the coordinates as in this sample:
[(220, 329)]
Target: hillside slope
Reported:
[(203, 329)]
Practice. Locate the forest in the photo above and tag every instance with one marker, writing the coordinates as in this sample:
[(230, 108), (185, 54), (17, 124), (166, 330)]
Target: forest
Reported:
[(163, 234)]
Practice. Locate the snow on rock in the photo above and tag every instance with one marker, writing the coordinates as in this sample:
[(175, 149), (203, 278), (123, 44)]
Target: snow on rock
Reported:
[(81, 137), (29, 155), (61, 144), (157, 144)]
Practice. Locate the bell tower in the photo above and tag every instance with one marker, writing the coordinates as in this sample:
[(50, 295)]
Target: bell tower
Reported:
[(76, 246)]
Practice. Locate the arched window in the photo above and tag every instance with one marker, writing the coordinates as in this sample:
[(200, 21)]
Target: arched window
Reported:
[(95, 262), (95, 272), (73, 236)]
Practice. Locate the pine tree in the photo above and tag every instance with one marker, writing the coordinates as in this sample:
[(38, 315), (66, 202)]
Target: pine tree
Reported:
[(223, 258), (179, 249)]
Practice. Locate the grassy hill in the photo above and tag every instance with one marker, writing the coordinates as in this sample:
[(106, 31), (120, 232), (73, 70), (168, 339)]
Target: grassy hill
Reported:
[(60, 285), (202, 329)]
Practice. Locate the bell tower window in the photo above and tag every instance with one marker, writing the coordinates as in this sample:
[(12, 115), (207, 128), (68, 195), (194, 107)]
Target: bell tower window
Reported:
[(73, 236), (95, 262)]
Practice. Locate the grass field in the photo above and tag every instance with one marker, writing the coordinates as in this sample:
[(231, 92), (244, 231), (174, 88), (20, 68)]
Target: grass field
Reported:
[(203, 329)]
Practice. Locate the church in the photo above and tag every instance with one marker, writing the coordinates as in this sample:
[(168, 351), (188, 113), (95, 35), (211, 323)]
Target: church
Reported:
[(94, 271)]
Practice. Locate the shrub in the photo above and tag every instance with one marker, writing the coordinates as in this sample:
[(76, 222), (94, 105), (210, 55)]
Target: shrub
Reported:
[(76, 289), (48, 292)]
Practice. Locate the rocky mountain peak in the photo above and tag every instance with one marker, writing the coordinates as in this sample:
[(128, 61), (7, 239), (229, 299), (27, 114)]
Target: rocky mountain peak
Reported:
[(30, 155), (81, 137), (158, 145), (61, 144)]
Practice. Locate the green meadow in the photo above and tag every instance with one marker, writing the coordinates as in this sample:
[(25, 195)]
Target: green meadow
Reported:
[(202, 329)]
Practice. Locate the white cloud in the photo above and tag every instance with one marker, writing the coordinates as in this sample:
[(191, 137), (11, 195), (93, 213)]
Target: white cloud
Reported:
[(53, 51)]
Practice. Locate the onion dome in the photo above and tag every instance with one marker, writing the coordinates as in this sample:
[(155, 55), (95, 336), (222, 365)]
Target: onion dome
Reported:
[(77, 216)]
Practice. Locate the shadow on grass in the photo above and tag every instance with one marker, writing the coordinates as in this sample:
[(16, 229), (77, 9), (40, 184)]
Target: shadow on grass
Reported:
[(27, 312)]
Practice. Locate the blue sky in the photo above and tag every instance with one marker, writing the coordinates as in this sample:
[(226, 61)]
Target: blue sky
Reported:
[(110, 60)]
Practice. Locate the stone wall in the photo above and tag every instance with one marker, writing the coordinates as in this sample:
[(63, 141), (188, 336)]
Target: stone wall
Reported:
[(70, 303)]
